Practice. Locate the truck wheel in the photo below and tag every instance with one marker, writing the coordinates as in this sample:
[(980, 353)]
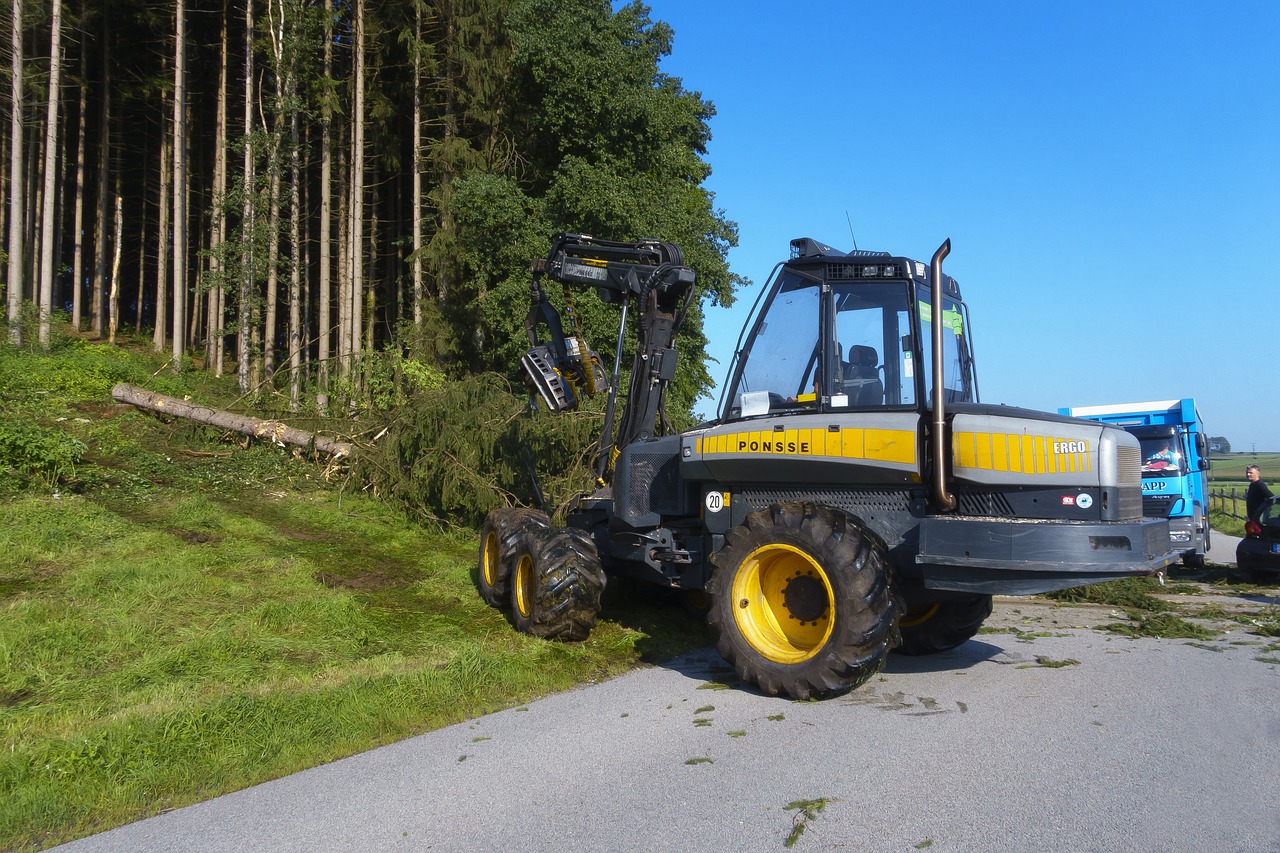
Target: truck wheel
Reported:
[(802, 602), (556, 583), (942, 625), (499, 536)]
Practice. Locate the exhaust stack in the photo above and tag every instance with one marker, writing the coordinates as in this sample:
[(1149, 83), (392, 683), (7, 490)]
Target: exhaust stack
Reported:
[(942, 496)]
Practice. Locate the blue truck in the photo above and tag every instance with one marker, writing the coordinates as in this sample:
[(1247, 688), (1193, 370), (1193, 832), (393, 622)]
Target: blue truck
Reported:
[(1175, 462)]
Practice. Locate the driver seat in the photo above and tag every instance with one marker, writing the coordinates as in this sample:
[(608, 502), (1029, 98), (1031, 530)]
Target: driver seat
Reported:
[(862, 377)]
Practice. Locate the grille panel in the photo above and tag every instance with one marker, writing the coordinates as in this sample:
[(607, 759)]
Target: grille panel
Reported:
[(849, 500), (652, 485), (984, 504)]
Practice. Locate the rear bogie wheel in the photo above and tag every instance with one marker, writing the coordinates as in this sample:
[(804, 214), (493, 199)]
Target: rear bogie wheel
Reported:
[(802, 601), (499, 537), (556, 583), (936, 626)]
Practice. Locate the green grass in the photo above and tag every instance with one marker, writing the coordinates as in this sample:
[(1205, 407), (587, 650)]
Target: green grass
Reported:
[(184, 613)]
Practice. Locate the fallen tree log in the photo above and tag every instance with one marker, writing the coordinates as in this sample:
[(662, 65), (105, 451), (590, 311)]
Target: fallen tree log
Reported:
[(274, 431)]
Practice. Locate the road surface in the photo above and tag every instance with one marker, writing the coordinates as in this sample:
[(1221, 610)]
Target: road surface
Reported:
[(1080, 740)]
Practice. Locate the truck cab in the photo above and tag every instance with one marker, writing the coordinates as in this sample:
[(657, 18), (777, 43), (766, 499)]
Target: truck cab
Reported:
[(1175, 466)]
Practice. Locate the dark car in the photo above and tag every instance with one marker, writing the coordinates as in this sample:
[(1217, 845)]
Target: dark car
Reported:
[(1258, 553)]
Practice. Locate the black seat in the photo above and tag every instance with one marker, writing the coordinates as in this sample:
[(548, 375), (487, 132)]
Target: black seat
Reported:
[(862, 377)]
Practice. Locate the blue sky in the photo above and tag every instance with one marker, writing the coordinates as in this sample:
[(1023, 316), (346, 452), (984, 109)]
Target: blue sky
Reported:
[(1108, 173)]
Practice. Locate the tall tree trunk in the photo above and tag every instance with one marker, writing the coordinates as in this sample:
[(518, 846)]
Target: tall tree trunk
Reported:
[(179, 186), (104, 164), (48, 228), (17, 201), (356, 237), (115, 264), (161, 301), (270, 321), (218, 229), (344, 257), (295, 271), (416, 218), (144, 203), (246, 223), (326, 189), (77, 255)]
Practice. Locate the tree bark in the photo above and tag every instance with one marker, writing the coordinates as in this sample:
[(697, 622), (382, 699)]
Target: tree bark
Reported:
[(218, 230), (357, 199), (104, 168), (179, 185), (77, 254), (246, 223), (115, 264), (326, 202), (163, 244), (17, 202), (48, 264), (416, 217), (274, 431)]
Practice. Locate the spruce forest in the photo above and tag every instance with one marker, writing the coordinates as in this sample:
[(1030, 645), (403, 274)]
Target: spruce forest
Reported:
[(298, 193)]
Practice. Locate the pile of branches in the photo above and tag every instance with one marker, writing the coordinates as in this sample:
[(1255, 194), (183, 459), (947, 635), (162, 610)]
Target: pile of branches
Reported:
[(457, 451)]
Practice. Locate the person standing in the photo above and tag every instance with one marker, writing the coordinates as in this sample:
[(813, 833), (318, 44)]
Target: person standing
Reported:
[(1257, 493)]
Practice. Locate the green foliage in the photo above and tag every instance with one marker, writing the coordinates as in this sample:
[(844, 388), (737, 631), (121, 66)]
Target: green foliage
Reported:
[(460, 450), (1133, 593), (608, 145), (30, 453), (805, 811), (1144, 624)]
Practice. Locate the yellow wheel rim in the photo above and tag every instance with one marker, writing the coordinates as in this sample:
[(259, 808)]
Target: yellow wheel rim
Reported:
[(783, 603), (918, 616), (522, 594), (489, 560)]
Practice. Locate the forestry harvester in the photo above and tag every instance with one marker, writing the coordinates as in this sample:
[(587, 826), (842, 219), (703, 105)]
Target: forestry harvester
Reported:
[(852, 496)]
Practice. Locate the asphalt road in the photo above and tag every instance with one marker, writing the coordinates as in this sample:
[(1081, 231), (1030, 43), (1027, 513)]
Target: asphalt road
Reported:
[(1132, 745)]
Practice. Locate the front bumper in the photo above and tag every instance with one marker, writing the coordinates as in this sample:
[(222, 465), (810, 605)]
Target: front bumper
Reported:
[(1258, 555), (1028, 556)]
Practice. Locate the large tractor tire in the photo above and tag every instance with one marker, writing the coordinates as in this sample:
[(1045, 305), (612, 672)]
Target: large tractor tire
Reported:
[(556, 583), (937, 626), (802, 602), (499, 537)]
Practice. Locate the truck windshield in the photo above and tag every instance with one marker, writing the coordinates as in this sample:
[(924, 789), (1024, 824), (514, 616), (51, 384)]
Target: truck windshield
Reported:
[(1161, 457)]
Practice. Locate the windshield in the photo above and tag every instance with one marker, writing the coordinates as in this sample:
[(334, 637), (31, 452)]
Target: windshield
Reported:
[(851, 343), (785, 345), (790, 362), (1161, 457)]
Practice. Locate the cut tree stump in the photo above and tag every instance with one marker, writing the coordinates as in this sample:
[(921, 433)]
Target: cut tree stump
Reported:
[(274, 431)]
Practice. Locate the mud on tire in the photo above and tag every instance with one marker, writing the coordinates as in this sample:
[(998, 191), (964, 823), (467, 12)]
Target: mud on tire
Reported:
[(802, 601), (556, 583), (499, 537)]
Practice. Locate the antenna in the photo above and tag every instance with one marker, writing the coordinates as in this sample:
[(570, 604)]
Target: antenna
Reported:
[(850, 221)]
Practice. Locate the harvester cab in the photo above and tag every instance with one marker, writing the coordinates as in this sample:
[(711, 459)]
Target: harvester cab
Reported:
[(853, 496)]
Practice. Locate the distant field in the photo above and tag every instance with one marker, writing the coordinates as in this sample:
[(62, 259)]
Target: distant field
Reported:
[(1227, 470)]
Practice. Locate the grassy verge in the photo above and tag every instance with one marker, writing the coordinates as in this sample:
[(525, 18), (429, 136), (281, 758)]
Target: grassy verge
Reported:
[(182, 616)]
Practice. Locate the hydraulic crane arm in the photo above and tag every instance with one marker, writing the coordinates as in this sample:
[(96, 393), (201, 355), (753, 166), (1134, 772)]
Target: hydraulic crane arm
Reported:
[(563, 369)]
